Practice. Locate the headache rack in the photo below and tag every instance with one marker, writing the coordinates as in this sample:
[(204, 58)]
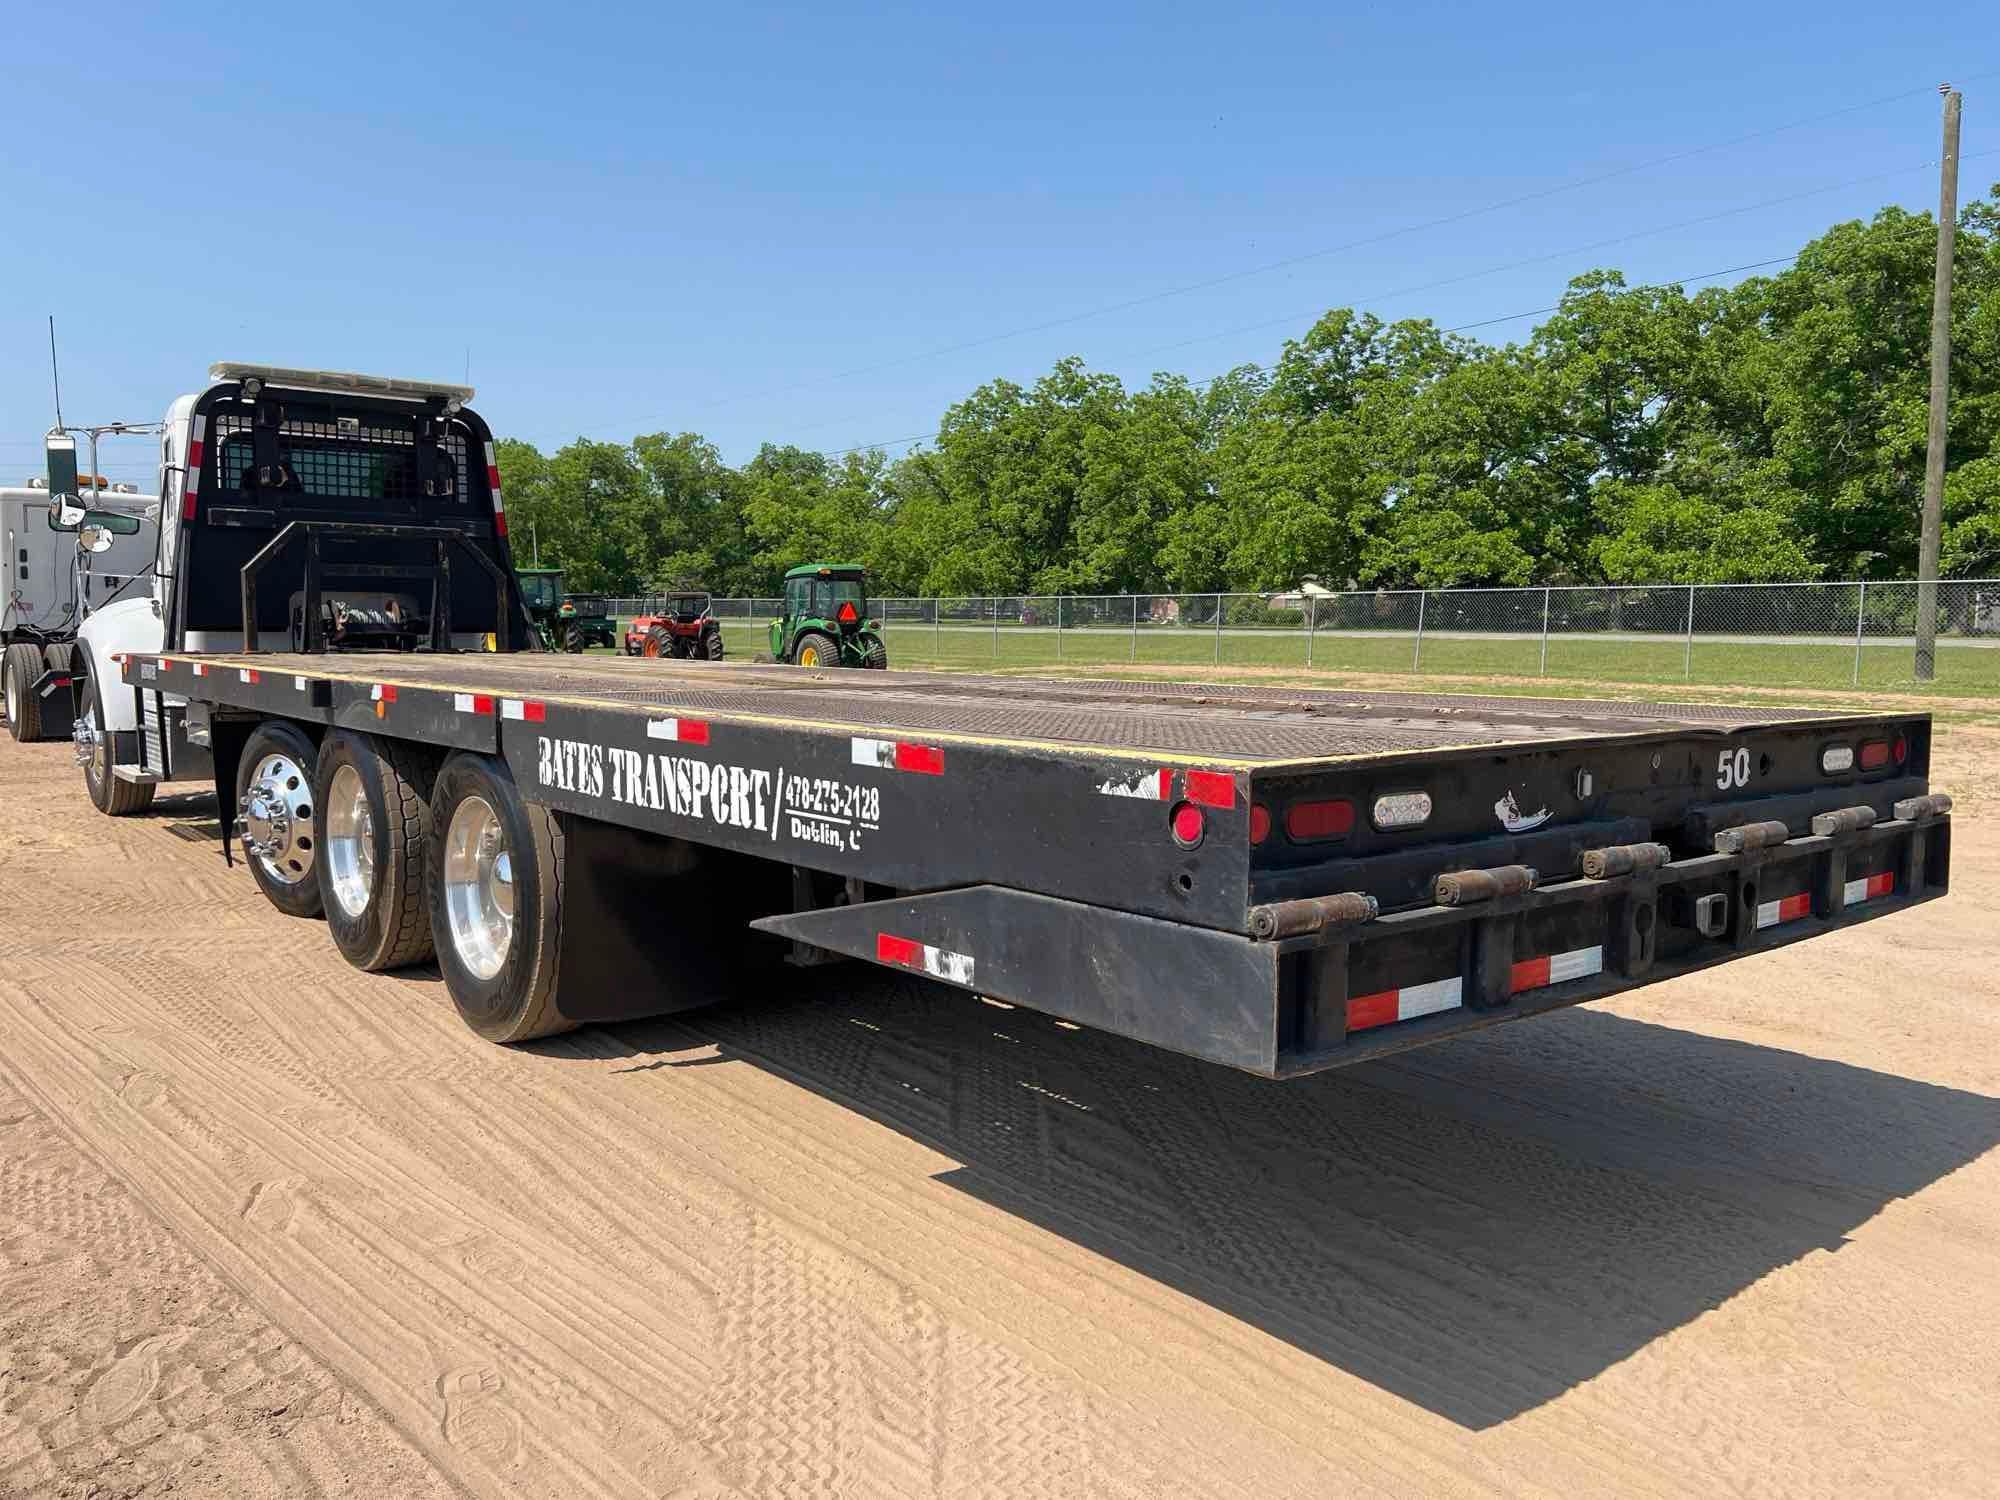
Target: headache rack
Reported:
[(442, 537)]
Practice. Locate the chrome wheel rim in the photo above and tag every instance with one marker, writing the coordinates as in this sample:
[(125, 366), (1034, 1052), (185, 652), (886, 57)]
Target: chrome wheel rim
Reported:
[(479, 887), (13, 696), (277, 819), (350, 841)]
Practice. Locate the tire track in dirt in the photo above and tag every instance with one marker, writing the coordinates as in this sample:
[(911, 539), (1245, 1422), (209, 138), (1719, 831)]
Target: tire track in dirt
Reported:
[(864, 1237)]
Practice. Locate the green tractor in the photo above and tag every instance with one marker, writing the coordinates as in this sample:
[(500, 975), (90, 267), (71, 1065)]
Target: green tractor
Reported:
[(565, 622), (826, 621)]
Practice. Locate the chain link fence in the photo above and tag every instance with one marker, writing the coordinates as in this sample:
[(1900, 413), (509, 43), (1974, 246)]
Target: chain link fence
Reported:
[(1858, 635)]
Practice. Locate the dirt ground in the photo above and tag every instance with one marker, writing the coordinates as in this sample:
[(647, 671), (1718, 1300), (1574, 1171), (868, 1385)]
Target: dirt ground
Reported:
[(269, 1226)]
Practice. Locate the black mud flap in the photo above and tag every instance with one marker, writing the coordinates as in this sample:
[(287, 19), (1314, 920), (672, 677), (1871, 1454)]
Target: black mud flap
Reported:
[(57, 691), (1209, 994)]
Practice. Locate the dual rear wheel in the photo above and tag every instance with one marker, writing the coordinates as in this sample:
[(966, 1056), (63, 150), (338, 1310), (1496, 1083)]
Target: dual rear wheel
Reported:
[(407, 858)]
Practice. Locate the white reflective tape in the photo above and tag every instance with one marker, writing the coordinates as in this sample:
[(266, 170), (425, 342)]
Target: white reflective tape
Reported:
[(1428, 999), (513, 708), (1579, 964), (875, 753), (944, 964), (1148, 786), (663, 729), (299, 683)]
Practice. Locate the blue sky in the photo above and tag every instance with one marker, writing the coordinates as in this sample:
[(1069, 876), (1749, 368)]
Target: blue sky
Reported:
[(761, 222)]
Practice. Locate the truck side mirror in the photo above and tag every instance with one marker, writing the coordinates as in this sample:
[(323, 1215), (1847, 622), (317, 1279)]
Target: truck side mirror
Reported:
[(60, 449), (94, 539)]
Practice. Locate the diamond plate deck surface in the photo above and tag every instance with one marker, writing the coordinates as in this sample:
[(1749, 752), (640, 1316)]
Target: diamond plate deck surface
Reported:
[(1247, 722)]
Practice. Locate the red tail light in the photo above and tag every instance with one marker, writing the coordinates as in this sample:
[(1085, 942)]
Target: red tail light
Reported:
[(1308, 822), (1187, 824), (1901, 750), (1875, 755), (1260, 822)]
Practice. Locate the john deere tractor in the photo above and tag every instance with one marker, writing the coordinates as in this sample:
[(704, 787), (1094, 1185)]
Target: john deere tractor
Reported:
[(826, 622), (565, 622)]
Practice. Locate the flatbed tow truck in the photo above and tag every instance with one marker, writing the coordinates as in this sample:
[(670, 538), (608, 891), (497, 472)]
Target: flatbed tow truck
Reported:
[(1274, 879)]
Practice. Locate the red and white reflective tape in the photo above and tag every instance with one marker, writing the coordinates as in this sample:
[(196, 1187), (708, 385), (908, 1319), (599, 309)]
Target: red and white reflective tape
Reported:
[(493, 483), (201, 669), (1785, 909), (1872, 888), (249, 674), (382, 692), (1147, 786), (1211, 788), (472, 703), (164, 663), (1555, 968), (1406, 1004), (527, 711), (681, 731), (191, 475), (896, 755), (939, 963)]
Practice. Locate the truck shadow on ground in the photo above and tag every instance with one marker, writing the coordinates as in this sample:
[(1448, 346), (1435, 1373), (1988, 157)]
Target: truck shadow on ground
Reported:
[(1476, 1227)]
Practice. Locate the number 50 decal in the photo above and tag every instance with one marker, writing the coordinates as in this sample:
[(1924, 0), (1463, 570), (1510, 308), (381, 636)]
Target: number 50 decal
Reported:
[(1732, 769)]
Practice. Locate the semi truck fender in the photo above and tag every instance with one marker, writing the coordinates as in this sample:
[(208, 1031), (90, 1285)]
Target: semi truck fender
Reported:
[(125, 626)]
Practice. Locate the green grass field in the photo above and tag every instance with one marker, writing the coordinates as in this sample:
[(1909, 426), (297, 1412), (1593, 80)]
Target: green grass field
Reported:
[(1962, 670)]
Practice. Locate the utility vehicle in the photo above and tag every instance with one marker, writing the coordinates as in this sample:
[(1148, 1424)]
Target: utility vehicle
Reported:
[(1278, 880)]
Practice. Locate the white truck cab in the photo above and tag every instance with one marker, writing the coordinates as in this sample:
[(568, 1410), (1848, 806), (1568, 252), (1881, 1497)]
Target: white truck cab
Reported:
[(264, 468)]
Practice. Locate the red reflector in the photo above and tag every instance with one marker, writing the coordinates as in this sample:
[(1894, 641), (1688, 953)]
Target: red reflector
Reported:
[(493, 475), (692, 731), (847, 614), (1364, 1011), (898, 950), (1187, 824), (499, 523), (1212, 788), (1260, 823), (187, 505), (928, 759), (195, 450), (1875, 755), (1319, 820), (1902, 750)]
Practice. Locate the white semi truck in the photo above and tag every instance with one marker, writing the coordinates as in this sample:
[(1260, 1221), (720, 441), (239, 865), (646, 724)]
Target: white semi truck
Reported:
[(70, 549)]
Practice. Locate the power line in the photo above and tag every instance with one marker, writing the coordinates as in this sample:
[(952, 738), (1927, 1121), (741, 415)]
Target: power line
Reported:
[(1439, 222), (1535, 312)]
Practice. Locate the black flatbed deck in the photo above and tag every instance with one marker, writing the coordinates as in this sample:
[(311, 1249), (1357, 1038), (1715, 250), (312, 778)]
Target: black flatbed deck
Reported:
[(1243, 725)]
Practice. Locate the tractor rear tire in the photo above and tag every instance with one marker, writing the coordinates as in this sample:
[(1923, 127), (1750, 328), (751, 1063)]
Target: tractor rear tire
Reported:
[(496, 898), (813, 649), (110, 795), (375, 819), (876, 657), (572, 640), (20, 667), (712, 643)]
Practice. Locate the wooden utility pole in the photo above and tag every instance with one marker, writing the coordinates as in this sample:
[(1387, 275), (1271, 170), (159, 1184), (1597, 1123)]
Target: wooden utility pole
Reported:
[(1927, 544)]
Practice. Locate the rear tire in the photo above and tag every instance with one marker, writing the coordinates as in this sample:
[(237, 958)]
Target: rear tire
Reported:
[(659, 643), (812, 649), (713, 644), (876, 657), (21, 666), (496, 888), (374, 858), (109, 795), (278, 761)]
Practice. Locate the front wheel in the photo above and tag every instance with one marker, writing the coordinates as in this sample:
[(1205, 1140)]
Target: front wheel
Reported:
[(815, 650), (277, 817), (95, 747), (496, 877), (374, 799)]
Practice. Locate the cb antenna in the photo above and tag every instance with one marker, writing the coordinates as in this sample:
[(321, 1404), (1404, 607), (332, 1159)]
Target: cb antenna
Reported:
[(55, 375)]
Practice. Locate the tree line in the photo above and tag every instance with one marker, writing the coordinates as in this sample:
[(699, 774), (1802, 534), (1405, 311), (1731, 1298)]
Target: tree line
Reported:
[(1773, 429)]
